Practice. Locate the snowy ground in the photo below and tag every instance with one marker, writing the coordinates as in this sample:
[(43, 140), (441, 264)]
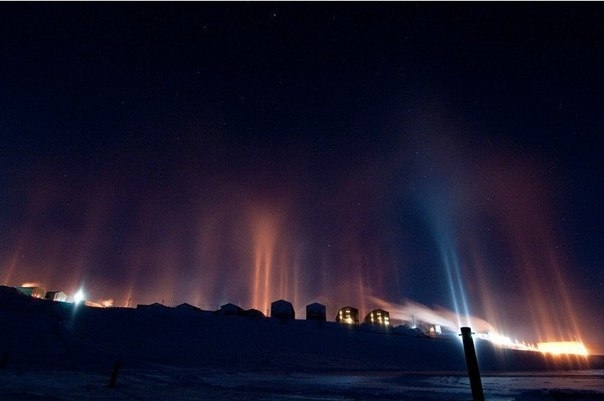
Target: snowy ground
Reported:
[(168, 383)]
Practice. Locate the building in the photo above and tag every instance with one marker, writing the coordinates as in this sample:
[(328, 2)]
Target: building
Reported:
[(154, 305), (254, 313), (282, 310), (348, 315), (434, 330), (187, 307), (316, 311), (379, 317), (230, 310), (34, 292), (57, 296)]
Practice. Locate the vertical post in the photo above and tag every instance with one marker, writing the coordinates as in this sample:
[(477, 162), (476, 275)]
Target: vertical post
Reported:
[(472, 364), (116, 369), (4, 360)]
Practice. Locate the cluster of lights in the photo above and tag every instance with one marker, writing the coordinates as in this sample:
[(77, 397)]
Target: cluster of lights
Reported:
[(36, 291), (563, 348), (550, 348)]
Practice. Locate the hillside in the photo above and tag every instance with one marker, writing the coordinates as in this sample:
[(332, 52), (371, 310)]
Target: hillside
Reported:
[(44, 333)]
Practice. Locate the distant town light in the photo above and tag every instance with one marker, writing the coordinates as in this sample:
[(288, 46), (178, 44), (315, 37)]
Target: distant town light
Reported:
[(31, 284), (563, 347), (78, 296)]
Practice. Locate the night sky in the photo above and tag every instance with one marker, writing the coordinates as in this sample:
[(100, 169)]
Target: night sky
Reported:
[(414, 155)]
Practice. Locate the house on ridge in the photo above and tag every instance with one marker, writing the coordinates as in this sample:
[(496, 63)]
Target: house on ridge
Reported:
[(282, 310), (316, 311)]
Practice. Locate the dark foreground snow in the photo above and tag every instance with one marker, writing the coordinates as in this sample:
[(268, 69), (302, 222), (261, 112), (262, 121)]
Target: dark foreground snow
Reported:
[(57, 351), (170, 383)]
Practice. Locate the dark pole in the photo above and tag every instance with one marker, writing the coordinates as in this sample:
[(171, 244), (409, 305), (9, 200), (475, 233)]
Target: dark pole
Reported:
[(472, 363), (4, 360), (116, 369)]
